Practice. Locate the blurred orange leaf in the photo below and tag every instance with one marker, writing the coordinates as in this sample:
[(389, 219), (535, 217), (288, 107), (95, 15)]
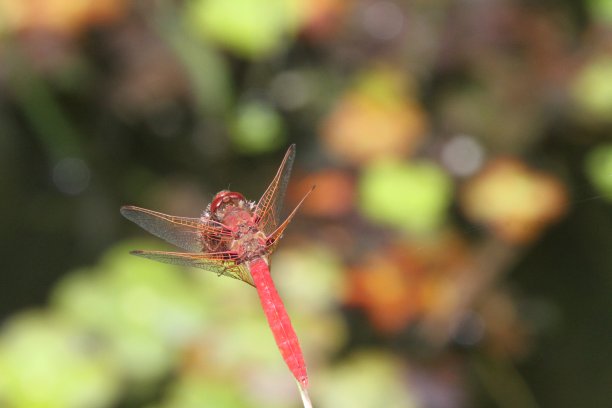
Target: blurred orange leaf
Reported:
[(406, 281), (62, 16), (322, 17), (375, 119), (333, 196)]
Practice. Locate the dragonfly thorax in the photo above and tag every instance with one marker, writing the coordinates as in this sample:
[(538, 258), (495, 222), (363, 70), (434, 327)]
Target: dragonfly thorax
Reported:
[(249, 245)]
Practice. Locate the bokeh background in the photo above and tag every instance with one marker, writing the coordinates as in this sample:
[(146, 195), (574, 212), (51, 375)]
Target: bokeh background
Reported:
[(455, 253)]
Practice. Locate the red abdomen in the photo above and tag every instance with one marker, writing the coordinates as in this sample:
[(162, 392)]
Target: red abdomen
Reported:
[(278, 319)]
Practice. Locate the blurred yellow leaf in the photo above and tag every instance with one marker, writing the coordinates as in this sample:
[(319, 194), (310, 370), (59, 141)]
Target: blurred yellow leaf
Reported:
[(517, 202), (376, 119)]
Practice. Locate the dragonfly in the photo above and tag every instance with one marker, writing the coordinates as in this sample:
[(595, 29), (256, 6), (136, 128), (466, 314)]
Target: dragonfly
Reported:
[(235, 237)]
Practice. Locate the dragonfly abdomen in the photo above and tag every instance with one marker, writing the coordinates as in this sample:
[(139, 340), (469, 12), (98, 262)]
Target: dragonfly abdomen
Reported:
[(278, 319)]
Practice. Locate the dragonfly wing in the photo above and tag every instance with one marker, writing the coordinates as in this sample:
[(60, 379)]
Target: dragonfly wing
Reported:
[(276, 235), (271, 202), (188, 233), (221, 263)]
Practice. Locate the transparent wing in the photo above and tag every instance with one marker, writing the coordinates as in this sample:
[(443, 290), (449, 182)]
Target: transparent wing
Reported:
[(274, 237), (188, 233), (271, 202), (221, 263)]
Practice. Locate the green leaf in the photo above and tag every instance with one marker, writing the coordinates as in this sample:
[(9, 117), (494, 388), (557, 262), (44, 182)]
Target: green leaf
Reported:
[(251, 28), (600, 10), (593, 88), (257, 128), (365, 380), (46, 362), (598, 168), (412, 196)]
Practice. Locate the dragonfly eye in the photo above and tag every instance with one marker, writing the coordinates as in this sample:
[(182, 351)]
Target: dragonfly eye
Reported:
[(225, 197)]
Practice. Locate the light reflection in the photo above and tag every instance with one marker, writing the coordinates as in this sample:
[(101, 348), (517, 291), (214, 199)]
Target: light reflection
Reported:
[(71, 175), (291, 90), (462, 155)]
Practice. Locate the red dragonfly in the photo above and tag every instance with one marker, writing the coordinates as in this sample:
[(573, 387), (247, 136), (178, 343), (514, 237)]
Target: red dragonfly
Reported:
[(234, 237)]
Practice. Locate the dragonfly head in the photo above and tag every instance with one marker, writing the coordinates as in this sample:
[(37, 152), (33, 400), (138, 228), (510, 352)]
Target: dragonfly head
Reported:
[(225, 198)]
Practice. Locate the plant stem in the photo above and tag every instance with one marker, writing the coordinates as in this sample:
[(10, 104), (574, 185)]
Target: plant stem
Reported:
[(305, 397)]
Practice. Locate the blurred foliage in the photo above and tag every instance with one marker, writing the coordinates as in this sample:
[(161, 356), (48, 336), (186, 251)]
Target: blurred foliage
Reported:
[(453, 253), (46, 362), (252, 28), (366, 380), (376, 119), (257, 128), (593, 90), (599, 169), (145, 313), (414, 196), (536, 199)]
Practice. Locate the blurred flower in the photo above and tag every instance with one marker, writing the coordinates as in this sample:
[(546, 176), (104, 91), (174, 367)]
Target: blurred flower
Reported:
[(251, 28), (515, 201), (599, 169), (412, 196), (376, 118), (48, 362), (65, 17)]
